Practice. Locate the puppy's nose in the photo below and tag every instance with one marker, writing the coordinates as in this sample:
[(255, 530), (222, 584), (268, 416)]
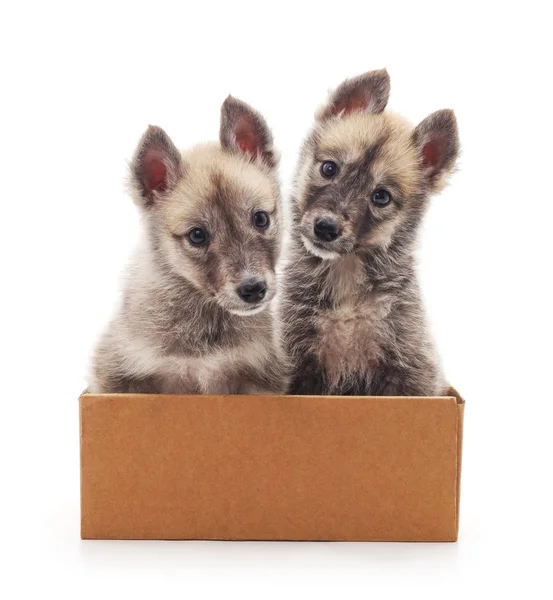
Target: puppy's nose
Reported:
[(252, 290), (327, 230)]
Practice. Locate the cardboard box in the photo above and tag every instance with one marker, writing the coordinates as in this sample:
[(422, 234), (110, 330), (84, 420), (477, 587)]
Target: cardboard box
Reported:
[(270, 467)]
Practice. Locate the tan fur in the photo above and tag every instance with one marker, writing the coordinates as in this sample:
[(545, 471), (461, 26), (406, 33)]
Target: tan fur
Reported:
[(209, 169), (185, 324), (348, 139), (212, 373), (347, 342), (207, 165), (348, 336)]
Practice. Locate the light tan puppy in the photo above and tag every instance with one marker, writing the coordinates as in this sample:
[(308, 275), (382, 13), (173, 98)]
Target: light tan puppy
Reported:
[(194, 317)]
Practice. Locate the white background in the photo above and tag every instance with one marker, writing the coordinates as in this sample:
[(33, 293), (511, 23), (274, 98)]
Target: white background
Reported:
[(82, 80)]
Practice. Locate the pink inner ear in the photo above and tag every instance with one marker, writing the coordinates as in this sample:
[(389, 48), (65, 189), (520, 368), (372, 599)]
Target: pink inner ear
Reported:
[(433, 153), (246, 139), (154, 172), (357, 101)]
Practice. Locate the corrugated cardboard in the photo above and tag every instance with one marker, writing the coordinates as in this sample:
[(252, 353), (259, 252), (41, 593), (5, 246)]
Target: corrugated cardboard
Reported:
[(270, 467)]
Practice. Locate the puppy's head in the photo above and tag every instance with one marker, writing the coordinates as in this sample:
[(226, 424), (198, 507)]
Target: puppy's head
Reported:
[(213, 212), (365, 174)]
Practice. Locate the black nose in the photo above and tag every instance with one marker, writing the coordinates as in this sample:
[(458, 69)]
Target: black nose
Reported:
[(327, 230), (252, 290)]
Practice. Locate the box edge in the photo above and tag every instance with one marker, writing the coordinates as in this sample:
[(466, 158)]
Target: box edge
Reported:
[(460, 405)]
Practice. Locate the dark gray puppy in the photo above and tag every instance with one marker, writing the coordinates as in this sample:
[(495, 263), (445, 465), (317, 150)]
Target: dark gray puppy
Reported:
[(353, 322)]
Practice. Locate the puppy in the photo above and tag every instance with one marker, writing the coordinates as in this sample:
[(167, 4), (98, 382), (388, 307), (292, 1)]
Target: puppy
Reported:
[(195, 314), (352, 314)]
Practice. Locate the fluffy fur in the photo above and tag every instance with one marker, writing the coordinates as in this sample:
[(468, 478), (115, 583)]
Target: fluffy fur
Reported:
[(352, 314), (182, 326)]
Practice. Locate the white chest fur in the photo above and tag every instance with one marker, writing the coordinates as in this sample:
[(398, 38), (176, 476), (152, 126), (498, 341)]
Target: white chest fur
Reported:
[(349, 333), (219, 372)]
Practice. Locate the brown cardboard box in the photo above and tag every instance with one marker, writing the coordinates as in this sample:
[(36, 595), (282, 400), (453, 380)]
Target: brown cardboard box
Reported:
[(270, 467)]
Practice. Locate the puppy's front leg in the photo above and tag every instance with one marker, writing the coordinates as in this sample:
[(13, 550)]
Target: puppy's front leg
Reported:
[(409, 381), (308, 378), (124, 384), (272, 378), (263, 386), (255, 388)]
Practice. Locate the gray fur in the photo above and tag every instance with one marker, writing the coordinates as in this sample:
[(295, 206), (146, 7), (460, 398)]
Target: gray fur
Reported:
[(181, 327), (353, 320)]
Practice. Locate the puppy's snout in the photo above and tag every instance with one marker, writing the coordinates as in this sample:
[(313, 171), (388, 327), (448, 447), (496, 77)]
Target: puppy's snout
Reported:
[(327, 230), (252, 290)]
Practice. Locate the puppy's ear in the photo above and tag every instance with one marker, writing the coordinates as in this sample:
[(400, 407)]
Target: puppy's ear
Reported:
[(437, 140), (156, 166), (244, 130), (366, 93)]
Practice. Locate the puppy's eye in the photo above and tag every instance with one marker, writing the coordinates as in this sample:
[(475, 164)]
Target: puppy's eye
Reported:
[(329, 169), (197, 236), (381, 197), (261, 219)]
